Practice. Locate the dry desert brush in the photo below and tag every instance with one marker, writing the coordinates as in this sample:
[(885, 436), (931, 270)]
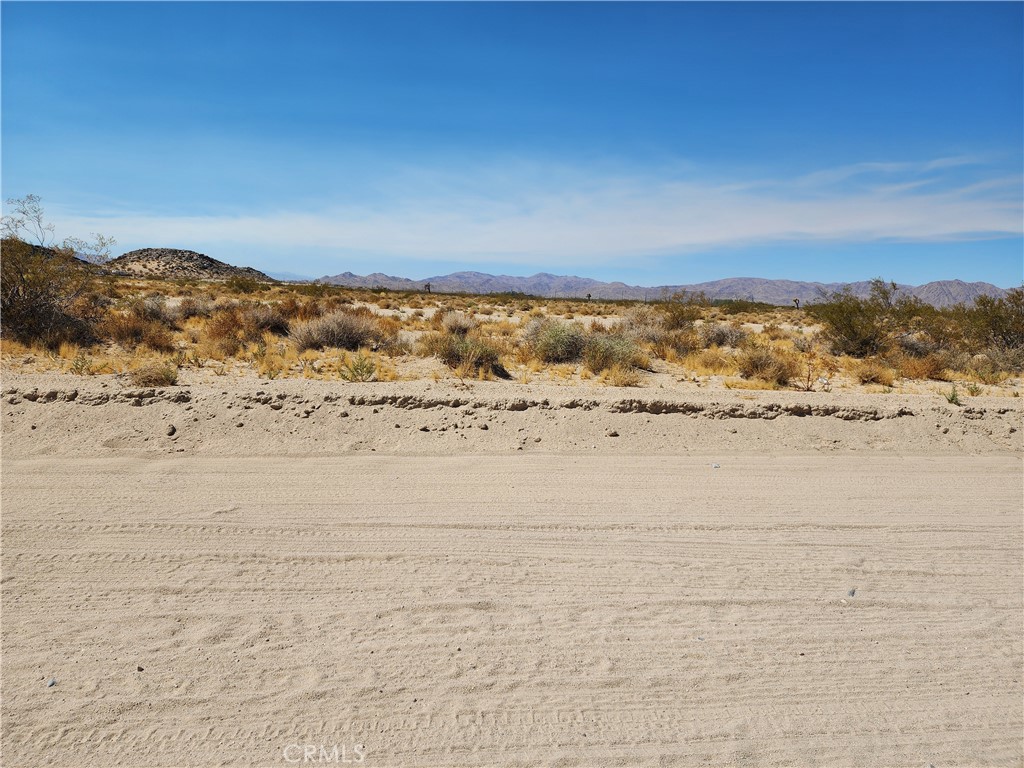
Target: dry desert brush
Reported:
[(767, 364), (154, 374), (345, 329)]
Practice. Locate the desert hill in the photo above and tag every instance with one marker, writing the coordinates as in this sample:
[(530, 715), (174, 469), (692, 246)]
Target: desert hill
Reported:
[(179, 264)]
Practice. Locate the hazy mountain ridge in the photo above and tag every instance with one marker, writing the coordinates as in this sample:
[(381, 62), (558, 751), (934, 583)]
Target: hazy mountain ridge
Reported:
[(940, 293), (178, 264)]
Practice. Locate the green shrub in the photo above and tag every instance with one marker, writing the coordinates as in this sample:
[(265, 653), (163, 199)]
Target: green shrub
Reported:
[(39, 288), (605, 351), (865, 327), (239, 284), (998, 322), (465, 353), (554, 342), (357, 368), (682, 309)]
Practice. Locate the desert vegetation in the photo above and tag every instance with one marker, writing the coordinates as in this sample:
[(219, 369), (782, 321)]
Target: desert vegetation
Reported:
[(61, 311)]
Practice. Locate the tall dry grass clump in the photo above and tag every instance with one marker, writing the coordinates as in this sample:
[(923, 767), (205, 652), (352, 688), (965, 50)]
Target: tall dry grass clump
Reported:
[(874, 372), (154, 374), (767, 364)]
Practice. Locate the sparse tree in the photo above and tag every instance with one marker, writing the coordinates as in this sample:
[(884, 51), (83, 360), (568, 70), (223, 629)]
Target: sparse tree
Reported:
[(41, 284), (26, 222)]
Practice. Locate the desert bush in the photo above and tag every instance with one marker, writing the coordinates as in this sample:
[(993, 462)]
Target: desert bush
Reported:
[(195, 306), (344, 330), (711, 361), (154, 374), (721, 335), (643, 323), (682, 309), (929, 366), (151, 308), (257, 319), (235, 325), (743, 307), (916, 344), (358, 367), (874, 372), (465, 353), (864, 327), (768, 364), (996, 323), (458, 323), (804, 343), (604, 351), (555, 342), (677, 343), (222, 331), (245, 285), (38, 291), (130, 330)]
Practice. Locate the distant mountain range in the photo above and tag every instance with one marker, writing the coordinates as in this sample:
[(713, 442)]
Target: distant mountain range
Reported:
[(942, 293), (174, 263)]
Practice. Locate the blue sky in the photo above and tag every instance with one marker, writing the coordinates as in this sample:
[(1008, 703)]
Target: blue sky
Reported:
[(650, 143)]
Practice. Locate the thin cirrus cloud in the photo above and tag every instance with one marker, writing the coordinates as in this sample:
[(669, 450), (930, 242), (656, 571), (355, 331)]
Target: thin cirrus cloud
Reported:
[(577, 218)]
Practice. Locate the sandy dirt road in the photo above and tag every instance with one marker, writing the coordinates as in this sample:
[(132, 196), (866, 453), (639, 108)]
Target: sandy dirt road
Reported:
[(513, 610)]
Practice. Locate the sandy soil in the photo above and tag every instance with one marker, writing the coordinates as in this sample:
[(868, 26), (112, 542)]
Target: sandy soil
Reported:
[(422, 574)]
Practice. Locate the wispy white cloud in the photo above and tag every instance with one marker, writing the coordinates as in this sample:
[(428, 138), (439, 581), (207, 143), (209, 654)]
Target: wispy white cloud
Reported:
[(570, 216)]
